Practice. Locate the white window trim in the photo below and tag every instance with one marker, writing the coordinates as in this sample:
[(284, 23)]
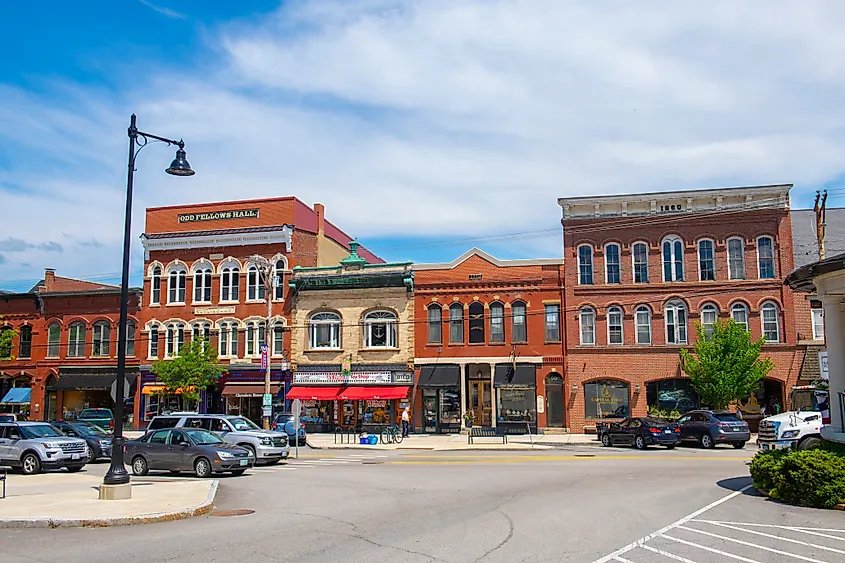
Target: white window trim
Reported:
[(501, 306), (259, 286), (586, 311), (201, 325), (285, 272), (177, 347), (108, 340), (274, 326), (150, 327), (392, 328), (201, 271), (774, 264), (648, 313), (225, 326), (619, 264), (253, 331), (698, 257), (676, 307), (611, 310), (524, 317), (742, 306), (592, 263), (428, 323), (763, 308), (813, 313), (233, 269), (177, 270), (311, 333), (742, 253), (672, 239), (709, 307), (634, 262)]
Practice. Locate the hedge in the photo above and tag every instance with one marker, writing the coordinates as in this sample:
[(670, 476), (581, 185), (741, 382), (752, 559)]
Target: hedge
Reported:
[(814, 477)]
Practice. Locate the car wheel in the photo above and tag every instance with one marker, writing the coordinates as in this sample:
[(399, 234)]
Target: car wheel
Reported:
[(605, 440), (670, 446), (739, 445), (202, 467), (139, 466), (30, 464), (808, 443), (639, 443), (237, 472), (707, 441), (74, 468)]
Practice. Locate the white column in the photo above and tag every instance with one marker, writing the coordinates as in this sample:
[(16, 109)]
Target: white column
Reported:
[(463, 394), (493, 395), (834, 328)]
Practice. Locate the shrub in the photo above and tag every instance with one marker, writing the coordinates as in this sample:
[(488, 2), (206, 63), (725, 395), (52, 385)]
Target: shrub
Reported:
[(765, 466), (829, 446), (813, 478)]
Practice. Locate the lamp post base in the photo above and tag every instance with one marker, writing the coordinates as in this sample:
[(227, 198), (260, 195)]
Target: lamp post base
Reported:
[(116, 492)]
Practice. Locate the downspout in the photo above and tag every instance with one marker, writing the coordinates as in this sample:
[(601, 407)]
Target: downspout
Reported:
[(564, 336)]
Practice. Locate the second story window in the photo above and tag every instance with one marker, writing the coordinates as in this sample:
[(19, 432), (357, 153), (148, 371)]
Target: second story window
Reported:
[(585, 264), (152, 351), (255, 289), (676, 322), (476, 323), (255, 335), (706, 260), (228, 339), (739, 314), (519, 330), (497, 323), (176, 281), (174, 340), (229, 283), (639, 252), (587, 324), (673, 259), (612, 264), (709, 316), (818, 324), (435, 319), (279, 282), (766, 258), (456, 323), (155, 286), (25, 345), (76, 340), (614, 326), (54, 334), (642, 318), (736, 259), (102, 331), (324, 330), (202, 285), (552, 323), (278, 338), (380, 330), (201, 331), (7, 333), (130, 338), (771, 322)]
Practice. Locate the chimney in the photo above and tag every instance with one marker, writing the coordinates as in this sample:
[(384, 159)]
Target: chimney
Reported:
[(321, 218), (49, 278)]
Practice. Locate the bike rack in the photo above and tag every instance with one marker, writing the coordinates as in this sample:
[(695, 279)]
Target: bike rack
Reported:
[(3, 472), (338, 431)]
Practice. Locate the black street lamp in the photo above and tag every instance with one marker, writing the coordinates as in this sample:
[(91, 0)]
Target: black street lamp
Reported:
[(117, 474)]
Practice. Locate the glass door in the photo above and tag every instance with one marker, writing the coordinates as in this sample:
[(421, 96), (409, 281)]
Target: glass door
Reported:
[(481, 403), (430, 409)]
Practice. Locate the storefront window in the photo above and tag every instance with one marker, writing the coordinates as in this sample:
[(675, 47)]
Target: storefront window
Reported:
[(318, 412), (450, 406), (672, 395), (348, 413), (429, 405), (606, 398), (517, 405), (375, 411)]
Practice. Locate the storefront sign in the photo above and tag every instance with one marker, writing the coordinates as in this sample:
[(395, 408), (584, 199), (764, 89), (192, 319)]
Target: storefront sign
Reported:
[(214, 310), (340, 378), (264, 356), (377, 403), (218, 215), (541, 404), (248, 395), (403, 377)]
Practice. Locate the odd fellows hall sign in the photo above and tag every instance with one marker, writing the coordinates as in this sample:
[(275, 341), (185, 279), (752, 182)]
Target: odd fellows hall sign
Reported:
[(218, 215)]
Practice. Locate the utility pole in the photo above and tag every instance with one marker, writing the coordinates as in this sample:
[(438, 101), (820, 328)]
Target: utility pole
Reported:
[(267, 268), (820, 207)]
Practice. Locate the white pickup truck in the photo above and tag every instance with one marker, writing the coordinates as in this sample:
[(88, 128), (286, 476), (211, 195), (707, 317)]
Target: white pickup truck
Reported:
[(798, 429)]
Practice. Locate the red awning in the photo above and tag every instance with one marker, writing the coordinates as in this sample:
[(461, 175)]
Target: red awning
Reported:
[(372, 392), (321, 393)]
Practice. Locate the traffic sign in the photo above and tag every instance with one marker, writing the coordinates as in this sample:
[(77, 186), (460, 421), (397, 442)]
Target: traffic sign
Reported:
[(268, 400), (114, 389), (268, 411)]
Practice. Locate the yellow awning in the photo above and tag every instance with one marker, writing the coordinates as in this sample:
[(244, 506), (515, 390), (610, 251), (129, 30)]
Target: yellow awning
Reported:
[(159, 390)]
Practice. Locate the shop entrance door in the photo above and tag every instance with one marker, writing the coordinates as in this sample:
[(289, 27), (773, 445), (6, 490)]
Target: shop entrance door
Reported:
[(554, 401), (481, 403), (430, 410)]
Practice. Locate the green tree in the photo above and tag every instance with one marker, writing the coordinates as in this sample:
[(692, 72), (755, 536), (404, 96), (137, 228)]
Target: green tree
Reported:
[(194, 369), (725, 366), (7, 335)]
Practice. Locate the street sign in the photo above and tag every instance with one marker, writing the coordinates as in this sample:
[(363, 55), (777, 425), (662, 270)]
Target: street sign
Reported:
[(264, 356), (268, 400), (268, 411), (114, 389)]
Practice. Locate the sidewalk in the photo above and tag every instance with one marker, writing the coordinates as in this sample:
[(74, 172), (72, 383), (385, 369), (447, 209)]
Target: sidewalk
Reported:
[(60, 499), (455, 442)]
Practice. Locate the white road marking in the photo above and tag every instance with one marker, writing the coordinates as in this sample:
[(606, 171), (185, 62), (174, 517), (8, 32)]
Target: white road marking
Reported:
[(754, 545), (710, 549), (683, 520), (801, 528), (667, 554), (806, 531), (622, 560), (788, 540)]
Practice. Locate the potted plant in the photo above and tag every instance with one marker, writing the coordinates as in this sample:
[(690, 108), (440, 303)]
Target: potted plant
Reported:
[(468, 419)]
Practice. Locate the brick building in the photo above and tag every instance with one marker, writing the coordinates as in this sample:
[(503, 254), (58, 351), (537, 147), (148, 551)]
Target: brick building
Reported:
[(64, 350), (488, 341), (198, 281), (642, 270)]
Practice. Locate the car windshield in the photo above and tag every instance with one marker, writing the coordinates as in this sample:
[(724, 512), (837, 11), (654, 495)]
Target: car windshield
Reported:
[(284, 418), (95, 413), (656, 421), (241, 423), (725, 417), (202, 437), (90, 430), (39, 431)]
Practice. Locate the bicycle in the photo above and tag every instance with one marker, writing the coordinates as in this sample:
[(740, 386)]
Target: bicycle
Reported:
[(391, 435)]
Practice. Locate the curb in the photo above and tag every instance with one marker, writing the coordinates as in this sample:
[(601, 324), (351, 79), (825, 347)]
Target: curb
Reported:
[(834, 507), (201, 509)]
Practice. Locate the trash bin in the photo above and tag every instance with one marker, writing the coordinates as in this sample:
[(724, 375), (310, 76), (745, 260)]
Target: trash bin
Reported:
[(365, 440)]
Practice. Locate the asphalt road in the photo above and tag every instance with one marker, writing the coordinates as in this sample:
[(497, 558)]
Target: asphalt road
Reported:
[(582, 504)]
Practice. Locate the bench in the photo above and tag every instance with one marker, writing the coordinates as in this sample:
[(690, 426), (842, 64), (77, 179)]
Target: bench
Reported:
[(487, 433)]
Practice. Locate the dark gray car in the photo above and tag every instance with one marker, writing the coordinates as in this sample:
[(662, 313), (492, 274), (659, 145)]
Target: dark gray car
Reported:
[(709, 428), (186, 449)]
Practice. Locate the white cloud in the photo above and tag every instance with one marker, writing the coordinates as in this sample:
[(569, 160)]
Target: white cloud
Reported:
[(444, 118)]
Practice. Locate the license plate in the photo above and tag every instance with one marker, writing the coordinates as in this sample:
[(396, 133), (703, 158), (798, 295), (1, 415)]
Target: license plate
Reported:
[(765, 446), (244, 462), (74, 456)]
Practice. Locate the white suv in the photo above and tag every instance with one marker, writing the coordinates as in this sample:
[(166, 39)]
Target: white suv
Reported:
[(34, 446)]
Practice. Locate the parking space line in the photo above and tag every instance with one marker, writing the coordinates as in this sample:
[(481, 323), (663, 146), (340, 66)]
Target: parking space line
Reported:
[(788, 540), (750, 544), (667, 554), (806, 531), (622, 560), (710, 549), (797, 528)]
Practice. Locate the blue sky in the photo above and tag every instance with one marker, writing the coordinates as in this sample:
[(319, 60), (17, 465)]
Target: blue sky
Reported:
[(426, 127)]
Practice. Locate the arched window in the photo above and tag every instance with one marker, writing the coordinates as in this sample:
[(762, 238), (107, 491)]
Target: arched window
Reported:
[(176, 283), (201, 331), (673, 259), (612, 263), (54, 334), (25, 342), (102, 335), (587, 322), (255, 335), (278, 338), (771, 322), (585, 264), (202, 284), (174, 339), (766, 258), (672, 395), (706, 260), (130, 338), (456, 323), (497, 322), (324, 330), (152, 346), (552, 318), (639, 252), (279, 282), (76, 340), (642, 318), (606, 398), (736, 259), (155, 286), (255, 290), (739, 313), (228, 339), (675, 315), (230, 282), (709, 316), (519, 330), (614, 326), (380, 330), (435, 319), (476, 323)]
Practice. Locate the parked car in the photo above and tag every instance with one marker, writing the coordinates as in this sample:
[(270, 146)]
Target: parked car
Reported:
[(641, 433), (285, 421), (103, 418), (709, 428), (98, 439), (186, 449), (34, 446), (267, 446), (7, 417)]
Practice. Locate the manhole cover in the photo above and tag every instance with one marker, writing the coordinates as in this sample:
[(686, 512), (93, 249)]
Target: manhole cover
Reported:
[(235, 512)]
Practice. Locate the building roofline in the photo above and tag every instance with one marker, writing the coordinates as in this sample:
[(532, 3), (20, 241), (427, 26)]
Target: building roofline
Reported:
[(801, 279), (490, 258), (232, 202), (706, 192)]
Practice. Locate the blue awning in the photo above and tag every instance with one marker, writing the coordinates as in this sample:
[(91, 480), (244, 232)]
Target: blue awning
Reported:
[(18, 395)]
